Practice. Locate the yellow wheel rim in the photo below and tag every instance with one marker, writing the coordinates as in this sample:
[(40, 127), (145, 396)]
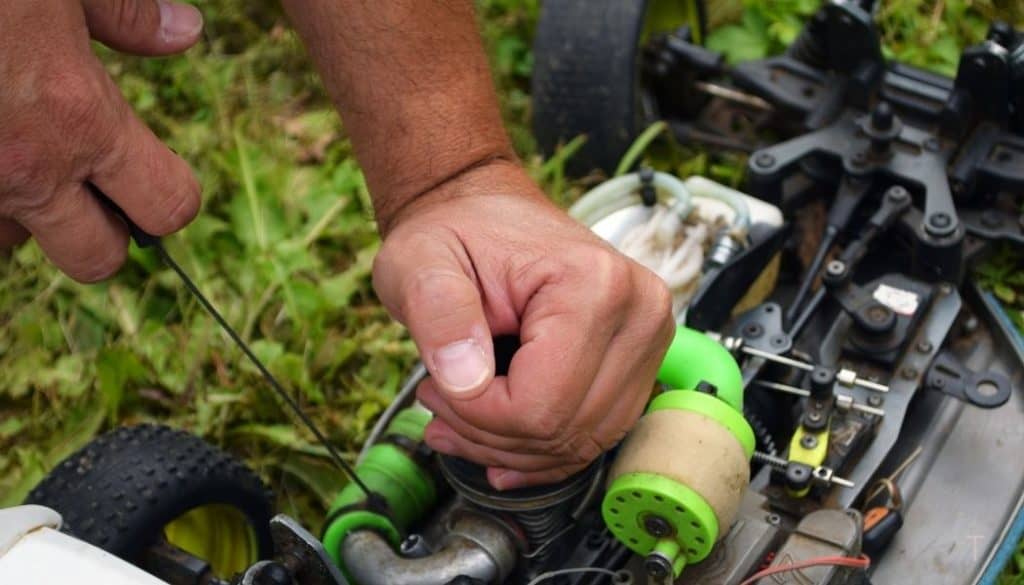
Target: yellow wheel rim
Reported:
[(221, 535), (668, 15)]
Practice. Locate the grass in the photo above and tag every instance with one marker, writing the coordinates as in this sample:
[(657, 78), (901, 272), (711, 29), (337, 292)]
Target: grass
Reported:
[(284, 247)]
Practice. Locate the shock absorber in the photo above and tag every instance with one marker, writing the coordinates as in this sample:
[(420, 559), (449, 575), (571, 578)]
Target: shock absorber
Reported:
[(678, 480)]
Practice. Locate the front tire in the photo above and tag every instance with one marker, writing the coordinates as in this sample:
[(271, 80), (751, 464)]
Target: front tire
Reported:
[(128, 489)]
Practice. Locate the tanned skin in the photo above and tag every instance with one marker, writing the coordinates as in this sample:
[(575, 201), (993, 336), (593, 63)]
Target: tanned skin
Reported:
[(472, 248)]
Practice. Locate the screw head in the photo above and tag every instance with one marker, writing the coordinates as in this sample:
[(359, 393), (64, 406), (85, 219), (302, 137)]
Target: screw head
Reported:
[(940, 220), (897, 194), (764, 160), (875, 400), (924, 346), (773, 519), (809, 441), (835, 268), (908, 373), (657, 526), (657, 567)]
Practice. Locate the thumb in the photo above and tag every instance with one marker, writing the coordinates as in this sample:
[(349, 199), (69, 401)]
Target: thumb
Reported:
[(424, 286), (144, 27)]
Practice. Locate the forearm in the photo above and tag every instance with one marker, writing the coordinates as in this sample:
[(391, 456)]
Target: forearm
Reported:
[(411, 81)]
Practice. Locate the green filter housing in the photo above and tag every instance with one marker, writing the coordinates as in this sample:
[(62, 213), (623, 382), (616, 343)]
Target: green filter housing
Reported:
[(693, 357), (640, 492), (391, 472)]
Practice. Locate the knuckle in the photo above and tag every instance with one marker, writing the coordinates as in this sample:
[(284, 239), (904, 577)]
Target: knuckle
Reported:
[(545, 425), (437, 287), (73, 99), (614, 275)]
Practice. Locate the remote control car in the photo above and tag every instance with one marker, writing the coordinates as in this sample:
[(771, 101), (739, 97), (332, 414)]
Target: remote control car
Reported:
[(841, 403)]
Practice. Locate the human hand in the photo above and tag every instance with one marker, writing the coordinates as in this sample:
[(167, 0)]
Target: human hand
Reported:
[(63, 124), (489, 255)]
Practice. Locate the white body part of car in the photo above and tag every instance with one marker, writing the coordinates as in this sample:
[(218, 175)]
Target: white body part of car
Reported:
[(34, 552)]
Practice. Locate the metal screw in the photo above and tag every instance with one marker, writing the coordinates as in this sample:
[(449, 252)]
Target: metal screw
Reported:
[(940, 220), (897, 193), (924, 346), (875, 400), (657, 566), (753, 330), (835, 268), (813, 416), (779, 340), (764, 160), (773, 519), (909, 373), (971, 324), (657, 526), (809, 441)]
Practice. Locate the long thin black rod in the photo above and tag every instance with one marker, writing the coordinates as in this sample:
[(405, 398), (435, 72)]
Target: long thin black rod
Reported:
[(191, 286)]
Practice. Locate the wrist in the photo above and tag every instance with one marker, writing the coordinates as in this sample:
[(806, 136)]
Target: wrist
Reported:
[(500, 173)]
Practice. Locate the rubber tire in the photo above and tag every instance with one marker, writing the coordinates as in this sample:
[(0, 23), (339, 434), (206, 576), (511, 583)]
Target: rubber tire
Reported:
[(586, 79), (120, 490)]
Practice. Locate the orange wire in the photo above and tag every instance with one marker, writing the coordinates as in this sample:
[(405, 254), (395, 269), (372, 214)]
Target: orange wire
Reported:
[(861, 562)]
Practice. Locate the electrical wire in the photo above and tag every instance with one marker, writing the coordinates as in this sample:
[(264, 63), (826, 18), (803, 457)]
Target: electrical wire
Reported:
[(560, 572), (860, 562)]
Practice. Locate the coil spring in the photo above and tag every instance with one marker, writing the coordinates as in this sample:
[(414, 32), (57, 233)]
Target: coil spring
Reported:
[(540, 527), (764, 440)]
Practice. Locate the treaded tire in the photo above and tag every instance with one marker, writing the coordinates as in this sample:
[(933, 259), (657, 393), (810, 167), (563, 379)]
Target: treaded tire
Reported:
[(586, 78), (119, 491)]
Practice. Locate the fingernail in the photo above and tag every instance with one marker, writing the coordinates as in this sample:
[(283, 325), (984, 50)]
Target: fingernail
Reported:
[(461, 366), (506, 479), (179, 21), (441, 445)]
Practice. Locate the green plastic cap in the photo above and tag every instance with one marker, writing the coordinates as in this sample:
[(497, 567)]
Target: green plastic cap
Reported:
[(636, 502), (693, 358)]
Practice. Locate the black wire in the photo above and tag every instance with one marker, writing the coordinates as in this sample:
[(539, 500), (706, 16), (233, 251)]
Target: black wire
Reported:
[(345, 467)]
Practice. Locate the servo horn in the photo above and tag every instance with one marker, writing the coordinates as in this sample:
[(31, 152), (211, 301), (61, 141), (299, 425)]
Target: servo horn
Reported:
[(677, 482)]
